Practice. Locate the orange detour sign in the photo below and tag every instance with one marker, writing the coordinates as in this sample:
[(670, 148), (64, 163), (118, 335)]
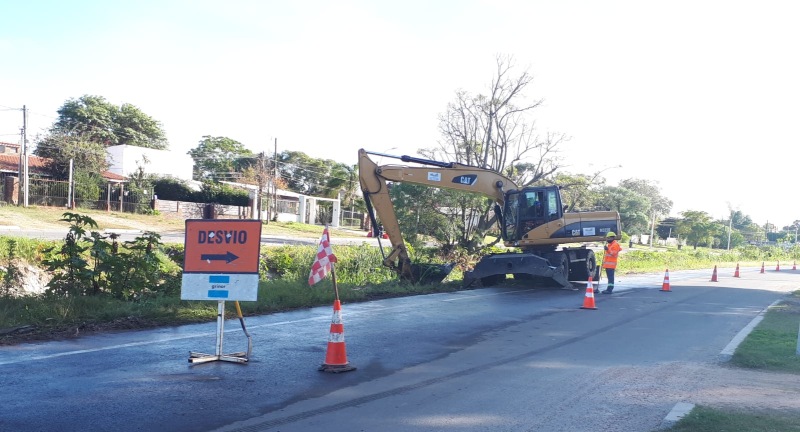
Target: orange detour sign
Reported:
[(221, 259)]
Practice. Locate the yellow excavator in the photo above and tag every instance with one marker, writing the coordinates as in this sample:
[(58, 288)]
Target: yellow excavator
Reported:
[(532, 221)]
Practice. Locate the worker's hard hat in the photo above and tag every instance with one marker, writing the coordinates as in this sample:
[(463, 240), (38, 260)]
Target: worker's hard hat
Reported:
[(611, 234)]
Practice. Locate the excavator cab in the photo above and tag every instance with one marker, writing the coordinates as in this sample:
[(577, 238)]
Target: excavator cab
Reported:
[(528, 209)]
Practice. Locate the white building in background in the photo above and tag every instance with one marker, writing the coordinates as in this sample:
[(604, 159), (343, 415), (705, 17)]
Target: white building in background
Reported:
[(124, 160)]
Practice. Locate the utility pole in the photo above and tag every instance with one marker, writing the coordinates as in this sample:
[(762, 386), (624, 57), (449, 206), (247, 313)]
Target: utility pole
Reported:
[(22, 170), (652, 229), (730, 229), (25, 151), (274, 183)]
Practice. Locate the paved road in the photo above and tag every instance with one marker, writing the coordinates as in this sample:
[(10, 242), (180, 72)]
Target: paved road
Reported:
[(493, 359), (178, 237)]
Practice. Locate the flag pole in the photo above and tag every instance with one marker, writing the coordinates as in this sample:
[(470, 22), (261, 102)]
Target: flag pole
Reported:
[(333, 277), (333, 270)]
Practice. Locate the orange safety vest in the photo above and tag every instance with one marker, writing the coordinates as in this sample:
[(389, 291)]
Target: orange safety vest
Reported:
[(610, 257)]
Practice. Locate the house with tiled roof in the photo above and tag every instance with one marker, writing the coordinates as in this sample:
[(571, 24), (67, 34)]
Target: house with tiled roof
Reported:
[(37, 169), (9, 164)]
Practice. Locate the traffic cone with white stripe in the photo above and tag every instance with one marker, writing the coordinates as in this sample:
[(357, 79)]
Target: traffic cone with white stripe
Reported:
[(736, 273), (714, 275), (336, 356), (665, 285), (588, 299)]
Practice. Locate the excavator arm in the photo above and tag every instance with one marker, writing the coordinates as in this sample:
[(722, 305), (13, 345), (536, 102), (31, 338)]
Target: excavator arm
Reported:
[(450, 175)]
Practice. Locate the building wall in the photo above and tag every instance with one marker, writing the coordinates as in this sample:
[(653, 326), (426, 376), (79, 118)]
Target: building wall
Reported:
[(123, 159)]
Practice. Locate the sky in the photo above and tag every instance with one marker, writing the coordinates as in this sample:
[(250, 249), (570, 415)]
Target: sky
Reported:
[(699, 97)]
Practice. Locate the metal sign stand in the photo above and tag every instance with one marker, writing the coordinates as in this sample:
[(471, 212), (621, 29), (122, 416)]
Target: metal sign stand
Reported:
[(238, 357)]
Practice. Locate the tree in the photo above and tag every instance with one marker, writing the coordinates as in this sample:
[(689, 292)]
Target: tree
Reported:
[(659, 204), (86, 126), (410, 204), (495, 131), (261, 175), (86, 155), (667, 228), (314, 177), (580, 191), (697, 228), (97, 120), (633, 208), (220, 158)]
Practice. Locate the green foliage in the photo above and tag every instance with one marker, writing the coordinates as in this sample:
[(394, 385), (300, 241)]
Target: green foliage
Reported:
[(87, 125), (88, 185), (697, 228), (88, 264), (772, 344), (453, 218), (12, 277), (222, 194), (220, 158), (172, 189), (277, 261), (176, 190), (61, 147), (634, 209), (316, 177), (356, 264), (707, 419), (68, 264), (102, 122)]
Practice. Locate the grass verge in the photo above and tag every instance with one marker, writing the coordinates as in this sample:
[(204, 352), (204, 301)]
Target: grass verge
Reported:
[(706, 419), (771, 346)]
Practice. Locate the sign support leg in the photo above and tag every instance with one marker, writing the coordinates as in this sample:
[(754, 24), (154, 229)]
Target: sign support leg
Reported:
[(239, 357)]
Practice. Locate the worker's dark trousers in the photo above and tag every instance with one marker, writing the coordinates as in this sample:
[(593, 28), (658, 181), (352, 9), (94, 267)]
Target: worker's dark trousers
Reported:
[(610, 277)]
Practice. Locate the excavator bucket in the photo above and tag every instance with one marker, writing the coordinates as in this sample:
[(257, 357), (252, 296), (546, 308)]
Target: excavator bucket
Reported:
[(493, 268), (426, 273)]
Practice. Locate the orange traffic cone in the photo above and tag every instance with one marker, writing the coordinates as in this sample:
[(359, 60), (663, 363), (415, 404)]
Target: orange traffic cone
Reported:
[(336, 356), (762, 266), (714, 275), (588, 299), (736, 273), (778, 267), (665, 285)]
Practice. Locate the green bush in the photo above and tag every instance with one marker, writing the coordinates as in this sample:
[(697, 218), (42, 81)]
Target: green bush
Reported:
[(176, 190), (172, 190), (277, 261)]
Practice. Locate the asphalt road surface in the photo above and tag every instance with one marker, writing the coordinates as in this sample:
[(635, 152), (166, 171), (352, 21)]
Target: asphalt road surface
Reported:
[(508, 358)]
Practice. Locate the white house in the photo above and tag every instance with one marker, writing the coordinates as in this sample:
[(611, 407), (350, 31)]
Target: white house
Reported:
[(124, 160)]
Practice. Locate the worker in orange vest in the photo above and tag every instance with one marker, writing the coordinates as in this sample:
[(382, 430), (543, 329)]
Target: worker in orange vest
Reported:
[(610, 259)]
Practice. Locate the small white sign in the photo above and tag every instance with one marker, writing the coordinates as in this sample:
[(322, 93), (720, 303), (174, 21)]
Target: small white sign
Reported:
[(588, 231), (209, 286), (434, 176)]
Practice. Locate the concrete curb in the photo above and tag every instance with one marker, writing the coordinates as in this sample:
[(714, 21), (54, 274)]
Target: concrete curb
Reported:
[(727, 352), (9, 228), (121, 231), (679, 411)]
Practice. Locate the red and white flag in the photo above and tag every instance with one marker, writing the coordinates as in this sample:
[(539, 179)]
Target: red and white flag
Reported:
[(323, 261)]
